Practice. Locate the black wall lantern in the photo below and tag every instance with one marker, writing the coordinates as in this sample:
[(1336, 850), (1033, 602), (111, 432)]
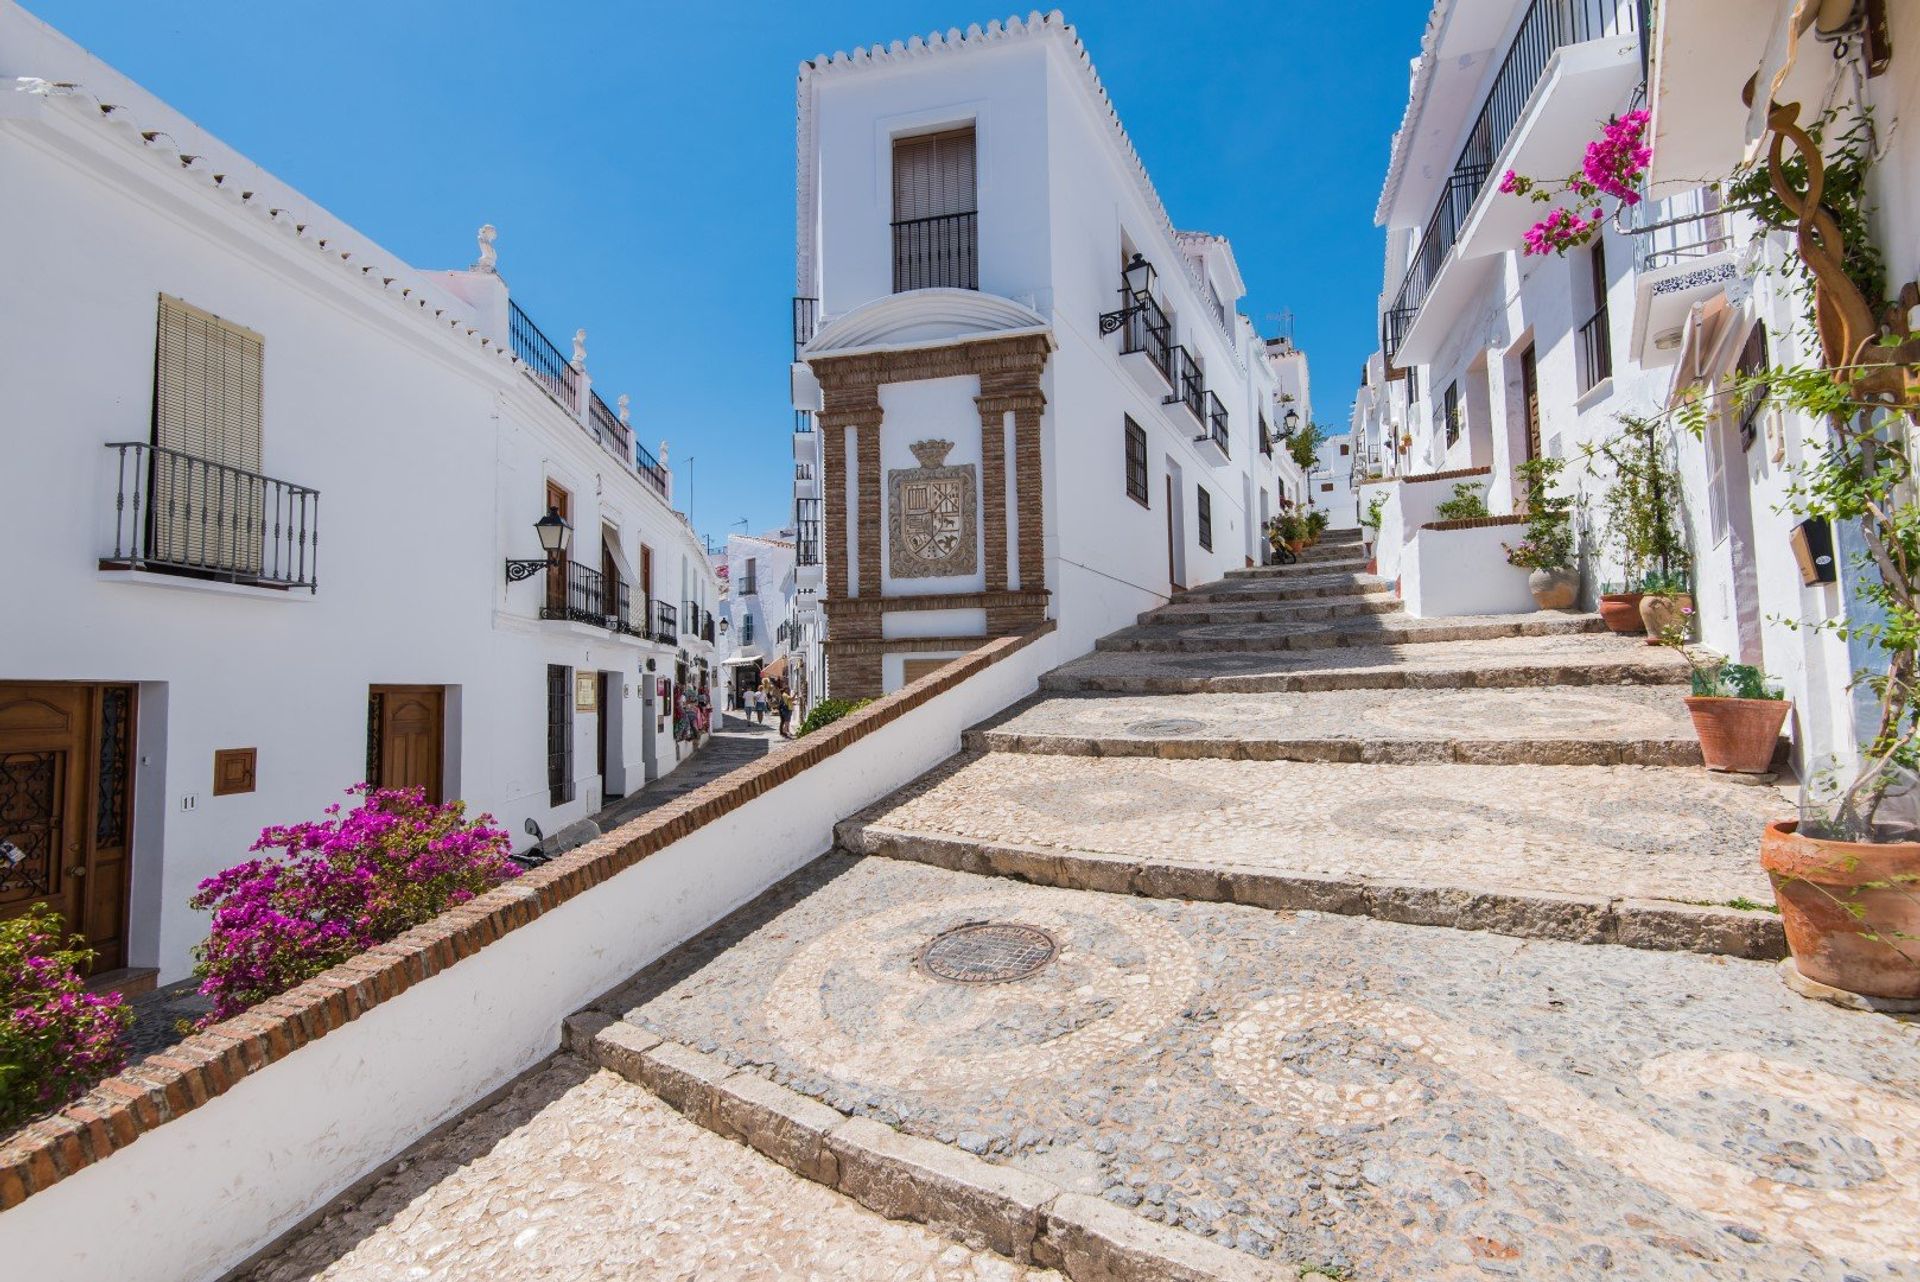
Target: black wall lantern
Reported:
[(1136, 284), (555, 534), (1290, 424)]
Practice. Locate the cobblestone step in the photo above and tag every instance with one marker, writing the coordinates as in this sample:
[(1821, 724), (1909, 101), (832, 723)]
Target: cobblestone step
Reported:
[(1622, 725), (1313, 585), (1655, 858), (1324, 1093), (1582, 660), (1260, 611), (1339, 560), (1026, 1217), (1362, 631)]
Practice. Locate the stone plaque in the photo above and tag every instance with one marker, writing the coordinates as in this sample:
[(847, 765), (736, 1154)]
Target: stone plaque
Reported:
[(933, 529)]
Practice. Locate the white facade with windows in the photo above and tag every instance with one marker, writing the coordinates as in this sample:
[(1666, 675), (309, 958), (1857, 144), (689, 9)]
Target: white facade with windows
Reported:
[(975, 188), (1490, 356), (759, 599), (270, 478)]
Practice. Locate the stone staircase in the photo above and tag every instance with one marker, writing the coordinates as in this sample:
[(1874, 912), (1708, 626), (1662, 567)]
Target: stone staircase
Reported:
[(1284, 951)]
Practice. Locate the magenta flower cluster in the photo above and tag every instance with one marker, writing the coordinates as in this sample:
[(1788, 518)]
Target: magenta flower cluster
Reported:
[(1612, 168), (340, 886), (56, 1038)]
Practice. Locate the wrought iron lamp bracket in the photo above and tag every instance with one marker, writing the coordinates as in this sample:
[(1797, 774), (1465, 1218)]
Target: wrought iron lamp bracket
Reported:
[(1111, 321), (518, 570)]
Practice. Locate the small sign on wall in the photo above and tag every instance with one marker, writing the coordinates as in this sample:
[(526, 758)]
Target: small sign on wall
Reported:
[(233, 770), (586, 691)]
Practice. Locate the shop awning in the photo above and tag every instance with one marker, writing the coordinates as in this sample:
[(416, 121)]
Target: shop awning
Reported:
[(777, 670), (740, 661)]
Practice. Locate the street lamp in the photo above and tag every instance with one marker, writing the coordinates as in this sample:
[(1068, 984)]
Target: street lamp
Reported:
[(555, 535), (1291, 422), (723, 627), (1136, 283)]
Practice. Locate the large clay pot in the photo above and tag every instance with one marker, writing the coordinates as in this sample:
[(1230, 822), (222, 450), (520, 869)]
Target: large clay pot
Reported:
[(1819, 885), (1554, 589), (1738, 735), (1621, 612), (1657, 612)]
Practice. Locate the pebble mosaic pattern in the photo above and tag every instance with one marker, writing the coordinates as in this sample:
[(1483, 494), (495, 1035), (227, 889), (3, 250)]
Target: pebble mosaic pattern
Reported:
[(1633, 831), (579, 1174), (1386, 1101)]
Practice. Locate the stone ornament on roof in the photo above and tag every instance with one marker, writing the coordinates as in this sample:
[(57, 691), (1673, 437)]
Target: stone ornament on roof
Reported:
[(489, 257), (579, 348)]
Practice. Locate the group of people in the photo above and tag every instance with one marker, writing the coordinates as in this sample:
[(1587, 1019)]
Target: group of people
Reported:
[(770, 697)]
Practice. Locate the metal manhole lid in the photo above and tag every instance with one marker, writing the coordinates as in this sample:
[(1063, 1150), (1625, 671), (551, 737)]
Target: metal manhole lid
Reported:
[(987, 952)]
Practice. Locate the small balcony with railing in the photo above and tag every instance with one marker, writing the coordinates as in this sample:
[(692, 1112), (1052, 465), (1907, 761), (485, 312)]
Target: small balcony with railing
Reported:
[(941, 252), (1567, 65), (1213, 441), (1682, 253), (1146, 346), (1594, 344), (664, 623), (177, 514), (806, 479)]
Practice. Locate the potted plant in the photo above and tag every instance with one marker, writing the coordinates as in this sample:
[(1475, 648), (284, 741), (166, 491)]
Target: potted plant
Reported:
[(1620, 610), (1643, 525), (1664, 603), (1370, 525), (1547, 549), (1737, 709), (1316, 524)]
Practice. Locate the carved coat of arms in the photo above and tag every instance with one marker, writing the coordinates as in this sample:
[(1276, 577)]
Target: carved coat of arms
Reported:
[(933, 507)]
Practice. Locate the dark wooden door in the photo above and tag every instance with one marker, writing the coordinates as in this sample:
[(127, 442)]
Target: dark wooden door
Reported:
[(1173, 557), (559, 501), (609, 686), (1530, 393), (66, 808), (406, 735)]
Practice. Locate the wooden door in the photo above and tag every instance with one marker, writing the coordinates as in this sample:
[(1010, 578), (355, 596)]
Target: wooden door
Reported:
[(66, 814), (406, 737), (1530, 394), (602, 729), (560, 501), (646, 588), (1173, 554)]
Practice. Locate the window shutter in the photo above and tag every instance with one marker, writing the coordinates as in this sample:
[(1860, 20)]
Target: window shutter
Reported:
[(933, 175), (207, 490)]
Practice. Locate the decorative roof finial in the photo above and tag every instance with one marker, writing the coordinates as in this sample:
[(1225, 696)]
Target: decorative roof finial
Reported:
[(488, 255), (626, 415), (663, 454), (579, 348)]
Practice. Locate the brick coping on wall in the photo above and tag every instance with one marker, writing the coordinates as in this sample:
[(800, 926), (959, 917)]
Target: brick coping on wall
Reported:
[(164, 1086), (1477, 522), (1457, 474)]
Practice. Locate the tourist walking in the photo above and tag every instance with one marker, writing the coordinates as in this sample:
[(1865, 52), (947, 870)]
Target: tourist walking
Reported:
[(784, 707)]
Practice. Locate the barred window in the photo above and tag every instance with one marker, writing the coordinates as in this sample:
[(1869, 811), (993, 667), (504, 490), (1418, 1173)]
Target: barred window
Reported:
[(1137, 463), (1206, 519)]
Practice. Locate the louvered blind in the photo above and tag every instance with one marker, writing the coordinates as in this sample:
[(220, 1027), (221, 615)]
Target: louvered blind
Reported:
[(207, 491), (933, 175)]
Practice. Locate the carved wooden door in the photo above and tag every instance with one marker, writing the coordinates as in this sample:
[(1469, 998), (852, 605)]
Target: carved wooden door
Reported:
[(406, 737)]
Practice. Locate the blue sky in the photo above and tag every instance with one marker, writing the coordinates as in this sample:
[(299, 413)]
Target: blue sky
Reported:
[(638, 160)]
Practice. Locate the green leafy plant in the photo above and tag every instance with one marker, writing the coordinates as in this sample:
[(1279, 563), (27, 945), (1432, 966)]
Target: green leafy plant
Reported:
[(1642, 499), (1304, 446), (1316, 523), (828, 711), (56, 1038), (1371, 517), (1548, 544), (1290, 526), (1465, 504), (1663, 583)]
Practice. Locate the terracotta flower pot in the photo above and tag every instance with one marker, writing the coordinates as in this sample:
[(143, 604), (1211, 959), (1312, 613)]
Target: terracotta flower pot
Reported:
[(1621, 612), (1738, 735), (1373, 565), (1554, 589), (1657, 612), (1819, 885)]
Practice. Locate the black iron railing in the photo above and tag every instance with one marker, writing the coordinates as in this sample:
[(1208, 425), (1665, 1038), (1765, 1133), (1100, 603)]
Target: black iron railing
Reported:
[(607, 427), (1266, 439), (1149, 331), (806, 315), (179, 514), (666, 623), (802, 421), (545, 363), (1215, 419), (746, 586), (649, 468), (803, 471), (706, 626), (806, 543), (942, 252), (1681, 228), (1549, 25), (1596, 351), (580, 594), (1189, 384)]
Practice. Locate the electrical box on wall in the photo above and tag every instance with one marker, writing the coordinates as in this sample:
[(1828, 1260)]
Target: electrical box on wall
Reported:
[(1813, 549)]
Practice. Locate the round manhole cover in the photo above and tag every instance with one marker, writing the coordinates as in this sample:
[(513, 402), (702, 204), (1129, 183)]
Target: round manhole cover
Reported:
[(987, 952), (1165, 728)]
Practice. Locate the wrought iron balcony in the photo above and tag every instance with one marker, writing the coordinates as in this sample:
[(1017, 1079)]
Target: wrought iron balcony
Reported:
[(607, 427), (1149, 332), (806, 317), (544, 361), (666, 623), (577, 592), (1680, 229), (806, 543), (942, 252), (650, 469), (1189, 384), (1549, 25), (175, 513), (1596, 351), (1216, 421)]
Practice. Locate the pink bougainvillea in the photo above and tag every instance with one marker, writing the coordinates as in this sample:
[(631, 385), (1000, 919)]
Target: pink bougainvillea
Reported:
[(343, 885), (1611, 169), (56, 1038)]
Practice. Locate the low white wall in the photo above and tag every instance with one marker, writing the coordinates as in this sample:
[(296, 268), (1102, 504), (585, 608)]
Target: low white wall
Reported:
[(198, 1195), (1447, 572), (1410, 505)]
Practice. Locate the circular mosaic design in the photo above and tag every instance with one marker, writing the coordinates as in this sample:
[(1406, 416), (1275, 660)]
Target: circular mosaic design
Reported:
[(1322, 1058), (1469, 714), (1166, 727), (987, 952), (852, 1003)]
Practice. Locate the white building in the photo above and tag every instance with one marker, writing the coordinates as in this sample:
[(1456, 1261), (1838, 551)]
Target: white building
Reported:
[(990, 452), (272, 494), (759, 593), (1491, 357)]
